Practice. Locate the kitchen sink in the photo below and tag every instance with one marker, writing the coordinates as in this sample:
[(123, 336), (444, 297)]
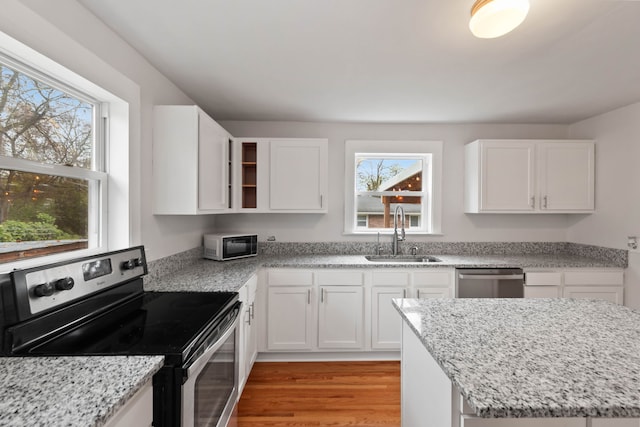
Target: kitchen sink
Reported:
[(402, 258)]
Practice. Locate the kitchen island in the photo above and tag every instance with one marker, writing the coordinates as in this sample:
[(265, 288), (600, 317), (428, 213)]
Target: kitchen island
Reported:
[(519, 362), (74, 391)]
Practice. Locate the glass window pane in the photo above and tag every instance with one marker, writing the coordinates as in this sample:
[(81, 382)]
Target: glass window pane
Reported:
[(41, 214), (43, 124), (378, 210), (388, 174)]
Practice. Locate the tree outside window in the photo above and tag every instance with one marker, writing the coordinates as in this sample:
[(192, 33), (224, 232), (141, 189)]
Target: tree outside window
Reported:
[(42, 125)]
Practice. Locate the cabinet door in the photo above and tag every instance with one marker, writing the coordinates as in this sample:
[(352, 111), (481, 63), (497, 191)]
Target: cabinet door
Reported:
[(507, 176), (608, 293), (566, 176), (137, 411), (341, 317), (249, 330), (290, 318), (298, 177), (213, 165), (386, 323)]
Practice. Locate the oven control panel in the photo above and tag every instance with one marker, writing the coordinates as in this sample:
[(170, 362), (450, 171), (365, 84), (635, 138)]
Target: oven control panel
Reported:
[(50, 286)]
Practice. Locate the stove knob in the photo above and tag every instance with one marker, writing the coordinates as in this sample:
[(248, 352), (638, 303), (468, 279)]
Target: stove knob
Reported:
[(138, 262), (128, 265), (44, 290), (65, 284)]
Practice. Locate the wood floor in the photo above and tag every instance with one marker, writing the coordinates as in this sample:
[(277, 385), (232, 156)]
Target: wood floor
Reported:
[(353, 394)]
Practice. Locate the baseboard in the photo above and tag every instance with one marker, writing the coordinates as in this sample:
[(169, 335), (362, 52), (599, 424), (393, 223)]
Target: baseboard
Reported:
[(329, 356)]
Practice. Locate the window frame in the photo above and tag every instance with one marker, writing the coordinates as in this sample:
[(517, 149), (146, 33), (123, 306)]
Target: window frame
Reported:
[(35, 65), (395, 148)]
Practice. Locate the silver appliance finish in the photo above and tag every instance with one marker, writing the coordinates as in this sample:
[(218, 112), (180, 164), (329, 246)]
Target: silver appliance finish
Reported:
[(489, 283), (210, 392)]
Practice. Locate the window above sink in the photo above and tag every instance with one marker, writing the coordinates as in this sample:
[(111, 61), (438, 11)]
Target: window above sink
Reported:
[(381, 175)]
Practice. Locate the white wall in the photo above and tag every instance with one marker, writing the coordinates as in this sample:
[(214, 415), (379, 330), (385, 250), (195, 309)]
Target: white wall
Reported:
[(67, 33), (456, 225), (617, 215)]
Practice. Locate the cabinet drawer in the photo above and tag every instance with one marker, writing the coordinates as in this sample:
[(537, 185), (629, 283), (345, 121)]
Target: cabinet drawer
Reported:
[(331, 278), (290, 277), (587, 278), (391, 278), (433, 278), (543, 278)]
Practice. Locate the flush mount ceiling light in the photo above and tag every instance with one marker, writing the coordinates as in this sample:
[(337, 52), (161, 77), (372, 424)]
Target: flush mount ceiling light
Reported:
[(495, 18)]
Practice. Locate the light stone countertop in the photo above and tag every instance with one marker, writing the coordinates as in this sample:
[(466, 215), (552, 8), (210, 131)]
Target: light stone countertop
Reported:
[(534, 357), (70, 391), (212, 276)]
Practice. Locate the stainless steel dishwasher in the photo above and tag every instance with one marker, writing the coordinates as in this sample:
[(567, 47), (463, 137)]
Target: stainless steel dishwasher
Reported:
[(489, 283)]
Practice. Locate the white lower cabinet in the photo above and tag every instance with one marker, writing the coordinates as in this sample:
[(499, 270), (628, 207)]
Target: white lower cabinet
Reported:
[(604, 284), (247, 330), (386, 322), (138, 411), (343, 309), (341, 317), (290, 318)]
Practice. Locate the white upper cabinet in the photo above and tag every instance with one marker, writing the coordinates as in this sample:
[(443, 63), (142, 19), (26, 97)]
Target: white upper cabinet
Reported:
[(282, 175), (529, 176), (190, 162), (566, 176), (298, 175)]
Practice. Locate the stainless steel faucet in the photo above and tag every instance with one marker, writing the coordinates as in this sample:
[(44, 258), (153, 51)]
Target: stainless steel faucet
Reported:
[(396, 238)]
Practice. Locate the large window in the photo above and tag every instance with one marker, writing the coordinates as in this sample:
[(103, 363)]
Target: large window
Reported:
[(52, 172), (385, 177)]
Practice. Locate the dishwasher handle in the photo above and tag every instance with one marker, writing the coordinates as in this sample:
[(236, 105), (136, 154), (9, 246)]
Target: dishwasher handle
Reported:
[(491, 276)]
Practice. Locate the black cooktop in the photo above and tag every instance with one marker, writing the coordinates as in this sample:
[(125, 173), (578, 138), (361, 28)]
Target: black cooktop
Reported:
[(154, 323)]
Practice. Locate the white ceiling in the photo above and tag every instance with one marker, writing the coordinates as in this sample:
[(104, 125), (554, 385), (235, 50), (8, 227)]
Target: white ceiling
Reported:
[(387, 60)]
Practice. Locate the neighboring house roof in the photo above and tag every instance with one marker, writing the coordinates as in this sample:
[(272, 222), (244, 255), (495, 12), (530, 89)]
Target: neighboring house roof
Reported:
[(373, 205), (402, 176)]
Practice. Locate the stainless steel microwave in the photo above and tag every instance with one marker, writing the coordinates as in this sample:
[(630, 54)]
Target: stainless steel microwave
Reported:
[(222, 247)]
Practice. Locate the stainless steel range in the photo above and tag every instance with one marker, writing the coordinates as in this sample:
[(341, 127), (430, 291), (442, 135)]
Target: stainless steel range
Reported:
[(96, 306)]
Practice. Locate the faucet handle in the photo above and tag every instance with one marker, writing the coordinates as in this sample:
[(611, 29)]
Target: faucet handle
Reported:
[(414, 250)]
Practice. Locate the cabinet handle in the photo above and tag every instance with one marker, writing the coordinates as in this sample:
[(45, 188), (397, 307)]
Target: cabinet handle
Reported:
[(321, 200), (248, 319), (404, 293), (252, 311), (544, 199), (322, 295), (417, 293), (533, 201), (308, 296)]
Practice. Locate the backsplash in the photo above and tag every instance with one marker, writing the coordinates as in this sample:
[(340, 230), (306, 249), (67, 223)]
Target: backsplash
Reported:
[(619, 257), (616, 256), (163, 266)]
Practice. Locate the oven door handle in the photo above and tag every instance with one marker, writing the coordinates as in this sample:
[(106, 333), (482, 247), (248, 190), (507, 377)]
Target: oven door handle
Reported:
[(198, 364)]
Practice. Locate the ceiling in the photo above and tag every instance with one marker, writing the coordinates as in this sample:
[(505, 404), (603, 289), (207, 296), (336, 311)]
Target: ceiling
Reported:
[(407, 61)]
